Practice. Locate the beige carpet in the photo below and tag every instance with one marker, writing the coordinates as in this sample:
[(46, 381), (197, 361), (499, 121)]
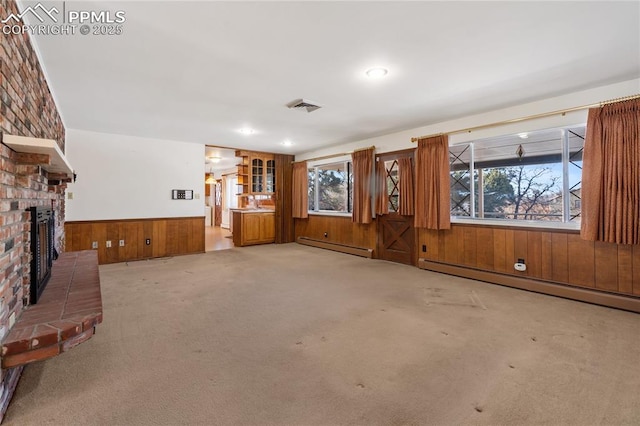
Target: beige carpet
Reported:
[(302, 336)]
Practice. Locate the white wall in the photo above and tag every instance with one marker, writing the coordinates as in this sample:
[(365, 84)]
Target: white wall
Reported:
[(126, 177), (402, 140)]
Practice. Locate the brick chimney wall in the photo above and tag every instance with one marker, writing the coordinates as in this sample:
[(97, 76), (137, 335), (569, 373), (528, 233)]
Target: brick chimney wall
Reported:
[(26, 109)]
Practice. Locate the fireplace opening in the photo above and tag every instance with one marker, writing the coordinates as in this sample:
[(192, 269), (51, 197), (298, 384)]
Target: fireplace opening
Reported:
[(42, 250)]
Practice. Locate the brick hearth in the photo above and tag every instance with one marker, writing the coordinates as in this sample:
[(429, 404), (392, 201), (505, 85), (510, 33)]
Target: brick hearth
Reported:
[(66, 315)]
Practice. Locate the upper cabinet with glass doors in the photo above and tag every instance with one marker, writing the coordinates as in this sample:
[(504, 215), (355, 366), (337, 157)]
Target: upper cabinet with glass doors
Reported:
[(260, 173), (257, 175), (270, 176)]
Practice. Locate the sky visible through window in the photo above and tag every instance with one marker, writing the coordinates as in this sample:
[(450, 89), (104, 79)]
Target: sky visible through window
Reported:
[(522, 176)]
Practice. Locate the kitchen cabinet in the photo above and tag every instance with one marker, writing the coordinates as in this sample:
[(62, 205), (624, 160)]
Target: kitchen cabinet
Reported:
[(256, 174), (253, 227), (263, 175)]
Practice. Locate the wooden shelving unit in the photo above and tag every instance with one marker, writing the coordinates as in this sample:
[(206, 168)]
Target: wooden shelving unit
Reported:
[(256, 175), (243, 178)]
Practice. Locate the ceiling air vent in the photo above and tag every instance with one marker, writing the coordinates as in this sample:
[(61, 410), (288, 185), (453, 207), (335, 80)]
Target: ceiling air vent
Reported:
[(310, 106)]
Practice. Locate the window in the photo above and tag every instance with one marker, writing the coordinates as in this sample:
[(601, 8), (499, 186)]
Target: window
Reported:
[(393, 185), (528, 176), (330, 187)]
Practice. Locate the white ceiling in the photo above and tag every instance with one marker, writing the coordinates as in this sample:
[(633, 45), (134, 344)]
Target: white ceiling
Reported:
[(227, 160), (199, 71), (542, 142)]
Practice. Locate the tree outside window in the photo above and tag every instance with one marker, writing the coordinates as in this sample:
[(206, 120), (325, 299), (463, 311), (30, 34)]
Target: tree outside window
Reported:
[(541, 184), (330, 187)]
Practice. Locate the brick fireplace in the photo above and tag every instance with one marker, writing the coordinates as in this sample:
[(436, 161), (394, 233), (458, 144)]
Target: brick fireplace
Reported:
[(27, 108), (42, 250)]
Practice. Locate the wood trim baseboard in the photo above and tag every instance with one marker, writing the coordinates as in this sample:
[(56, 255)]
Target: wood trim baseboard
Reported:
[(75, 222), (629, 303), (357, 251)]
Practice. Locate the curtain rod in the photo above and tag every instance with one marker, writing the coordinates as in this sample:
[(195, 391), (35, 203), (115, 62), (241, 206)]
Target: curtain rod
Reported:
[(324, 157), (532, 117)]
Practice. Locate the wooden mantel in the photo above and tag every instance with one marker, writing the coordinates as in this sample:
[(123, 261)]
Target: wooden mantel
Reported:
[(43, 152)]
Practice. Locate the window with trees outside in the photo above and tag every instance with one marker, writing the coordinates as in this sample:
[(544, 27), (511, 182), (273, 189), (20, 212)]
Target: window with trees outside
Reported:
[(535, 176), (330, 187)]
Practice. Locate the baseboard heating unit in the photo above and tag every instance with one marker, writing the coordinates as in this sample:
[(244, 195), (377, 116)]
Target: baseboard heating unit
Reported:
[(343, 248)]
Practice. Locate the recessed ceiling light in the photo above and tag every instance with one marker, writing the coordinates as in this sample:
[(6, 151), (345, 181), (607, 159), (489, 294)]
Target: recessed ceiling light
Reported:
[(377, 72), (246, 131), (523, 135), (287, 143)]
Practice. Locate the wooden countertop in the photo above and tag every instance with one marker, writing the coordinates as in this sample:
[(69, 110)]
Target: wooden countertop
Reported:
[(244, 211)]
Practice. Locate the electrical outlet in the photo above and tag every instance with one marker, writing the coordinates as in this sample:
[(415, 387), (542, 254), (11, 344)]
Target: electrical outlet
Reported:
[(520, 267), (108, 243), (424, 248), (148, 241), (94, 245), (196, 196), (69, 195), (121, 243)]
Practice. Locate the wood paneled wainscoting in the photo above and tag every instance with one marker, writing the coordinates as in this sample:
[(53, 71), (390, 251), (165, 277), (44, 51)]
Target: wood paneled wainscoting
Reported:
[(558, 262), (167, 237), (338, 231)]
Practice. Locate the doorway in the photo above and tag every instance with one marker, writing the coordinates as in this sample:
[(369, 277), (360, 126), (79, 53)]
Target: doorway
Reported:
[(234, 188), (396, 232), (229, 198), (220, 190)]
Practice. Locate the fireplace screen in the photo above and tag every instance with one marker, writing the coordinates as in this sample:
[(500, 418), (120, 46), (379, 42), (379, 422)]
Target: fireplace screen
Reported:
[(42, 249)]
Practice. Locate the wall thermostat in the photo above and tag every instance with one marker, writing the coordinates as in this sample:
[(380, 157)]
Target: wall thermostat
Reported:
[(182, 194)]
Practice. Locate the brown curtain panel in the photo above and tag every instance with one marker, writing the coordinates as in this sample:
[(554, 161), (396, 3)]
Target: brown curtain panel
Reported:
[(405, 172), (611, 174), (300, 190), (362, 176), (382, 192), (432, 196)]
